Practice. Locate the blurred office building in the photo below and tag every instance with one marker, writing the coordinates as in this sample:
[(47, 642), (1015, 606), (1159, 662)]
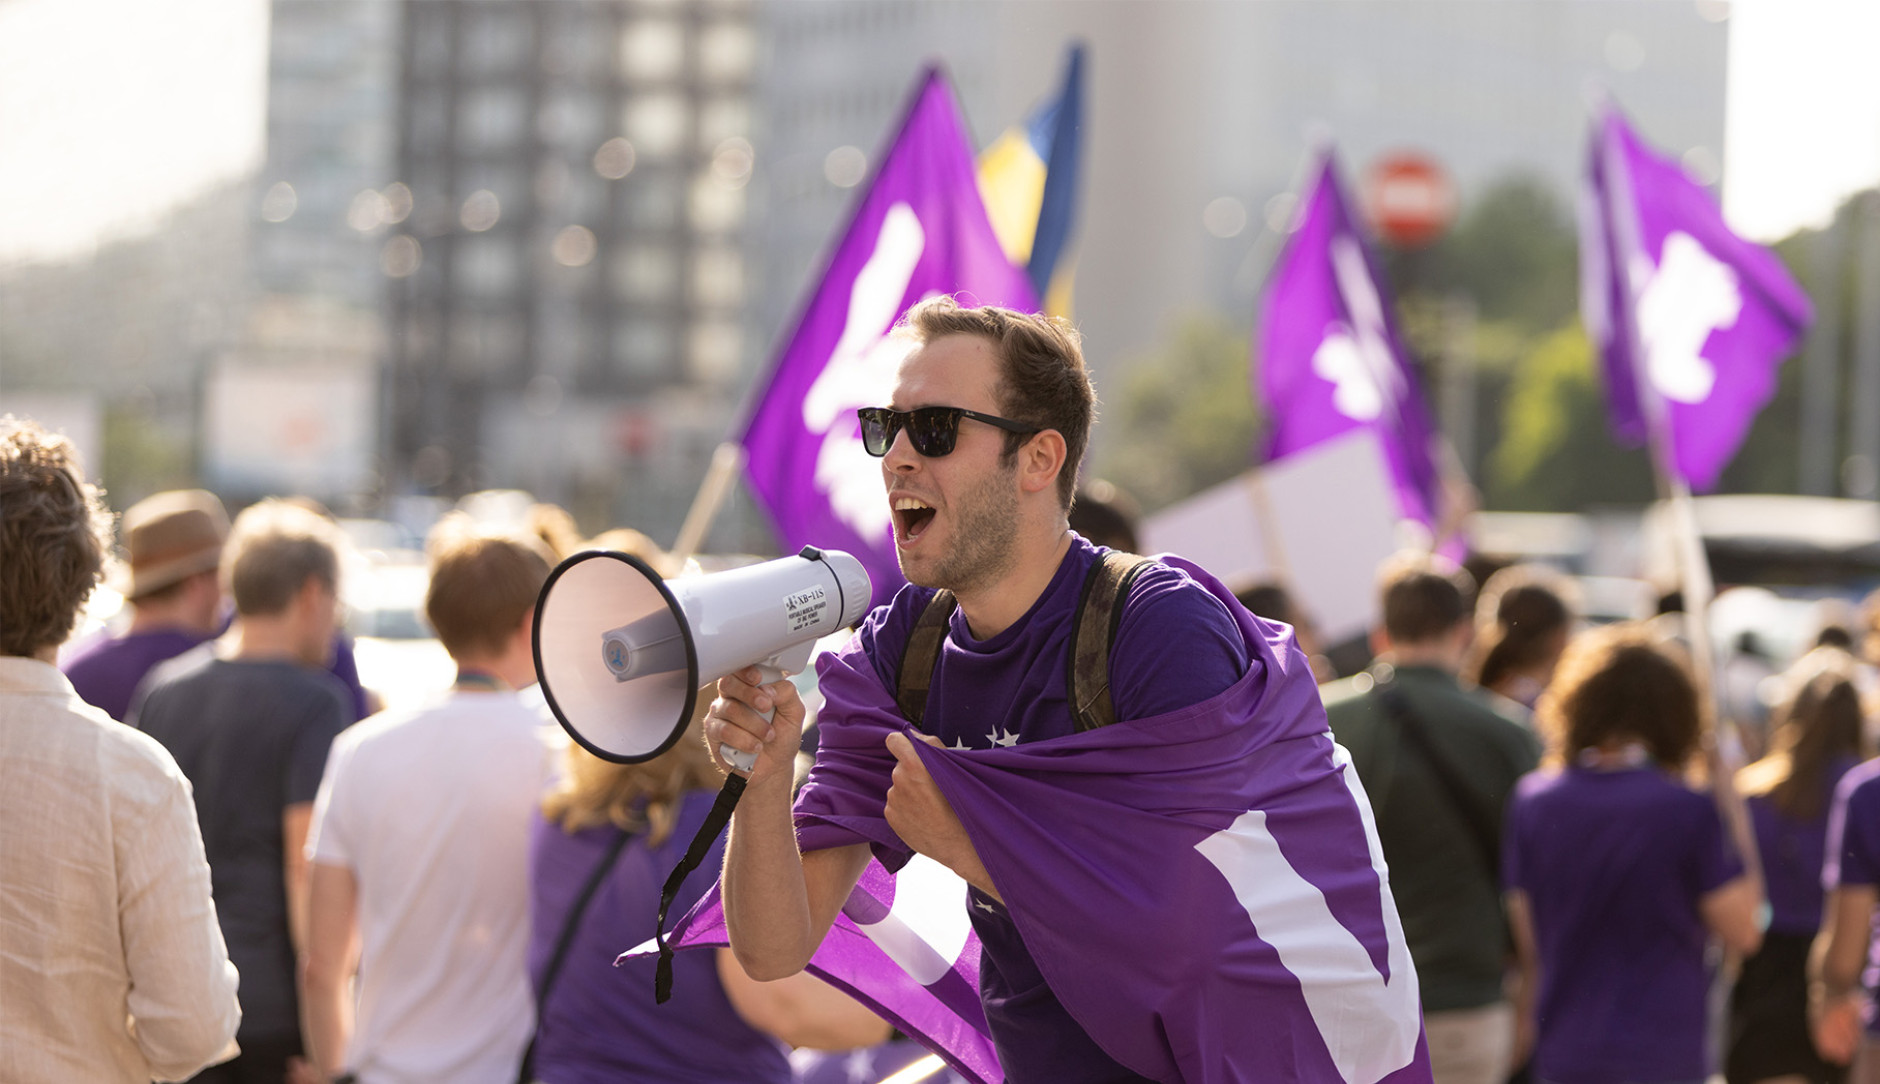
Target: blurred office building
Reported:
[(1201, 115), (565, 287)]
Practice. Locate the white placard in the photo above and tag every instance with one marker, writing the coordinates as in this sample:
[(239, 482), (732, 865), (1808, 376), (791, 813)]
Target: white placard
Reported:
[(1333, 520)]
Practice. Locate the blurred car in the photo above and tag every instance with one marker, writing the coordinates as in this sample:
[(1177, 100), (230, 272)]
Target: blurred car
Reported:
[(399, 659)]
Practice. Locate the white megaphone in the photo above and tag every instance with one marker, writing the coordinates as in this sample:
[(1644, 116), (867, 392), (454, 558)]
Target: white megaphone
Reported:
[(622, 653)]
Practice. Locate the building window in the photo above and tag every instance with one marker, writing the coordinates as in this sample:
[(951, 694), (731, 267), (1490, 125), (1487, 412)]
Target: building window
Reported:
[(487, 266), (644, 348), (654, 200), (647, 273), (720, 119), (726, 53), (712, 350), (492, 119), (718, 277), (656, 123), (496, 40), (714, 206), (652, 50)]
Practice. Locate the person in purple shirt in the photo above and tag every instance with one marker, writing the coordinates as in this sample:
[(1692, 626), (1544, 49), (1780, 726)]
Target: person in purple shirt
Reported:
[(979, 503), (1845, 964), (1619, 873), (597, 1023), (1817, 738), (173, 544)]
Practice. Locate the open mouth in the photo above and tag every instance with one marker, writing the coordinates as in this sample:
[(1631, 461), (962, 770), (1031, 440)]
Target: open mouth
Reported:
[(911, 518)]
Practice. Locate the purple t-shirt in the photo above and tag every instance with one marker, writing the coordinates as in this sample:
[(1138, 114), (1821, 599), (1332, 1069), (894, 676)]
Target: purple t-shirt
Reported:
[(1614, 864), (1853, 853), (1792, 854), (1176, 645), (599, 1023), (107, 670)]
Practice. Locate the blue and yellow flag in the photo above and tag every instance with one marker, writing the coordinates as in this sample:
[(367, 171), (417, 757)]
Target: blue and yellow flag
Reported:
[(1028, 179)]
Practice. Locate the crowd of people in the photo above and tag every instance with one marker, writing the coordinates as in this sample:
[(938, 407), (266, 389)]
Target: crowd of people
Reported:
[(218, 862)]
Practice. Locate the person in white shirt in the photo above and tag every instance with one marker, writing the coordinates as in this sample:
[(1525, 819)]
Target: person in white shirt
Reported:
[(419, 846), (114, 968)]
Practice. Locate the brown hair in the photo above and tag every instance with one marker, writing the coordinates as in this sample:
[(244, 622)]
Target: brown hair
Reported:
[(1042, 379), (1818, 722), (1522, 619), (275, 547), (1423, 596), (54, 537), (633, 797), (482, 584), (1619, 682)]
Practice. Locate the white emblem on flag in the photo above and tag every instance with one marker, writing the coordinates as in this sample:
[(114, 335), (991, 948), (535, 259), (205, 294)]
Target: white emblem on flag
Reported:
[(1689, 296), (861, 373), (1355, 357), (925, 930), (1370, 1025)]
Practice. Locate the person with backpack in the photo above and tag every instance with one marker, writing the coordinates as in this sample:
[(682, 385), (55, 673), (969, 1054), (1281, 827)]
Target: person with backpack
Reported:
[(1118, 759), (1439, 762)]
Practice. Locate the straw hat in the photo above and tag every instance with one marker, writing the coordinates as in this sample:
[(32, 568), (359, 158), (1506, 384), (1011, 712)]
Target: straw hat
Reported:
[(170, 537)]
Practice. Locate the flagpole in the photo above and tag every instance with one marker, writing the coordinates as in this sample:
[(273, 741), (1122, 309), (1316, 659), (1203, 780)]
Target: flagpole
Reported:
[(1694, 578), (1277, 562), (727, 460)]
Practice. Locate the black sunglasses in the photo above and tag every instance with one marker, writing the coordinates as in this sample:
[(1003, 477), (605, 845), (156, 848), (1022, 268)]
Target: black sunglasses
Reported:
[(931, 430)]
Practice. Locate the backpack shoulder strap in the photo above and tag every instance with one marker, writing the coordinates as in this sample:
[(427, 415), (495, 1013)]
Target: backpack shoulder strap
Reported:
[(921, 654), (1099, 613)]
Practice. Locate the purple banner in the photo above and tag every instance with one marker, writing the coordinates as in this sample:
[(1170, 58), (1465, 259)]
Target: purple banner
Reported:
[(919, 231), (1331, 357), (1174, 879), (903, 946), (1689, 318)]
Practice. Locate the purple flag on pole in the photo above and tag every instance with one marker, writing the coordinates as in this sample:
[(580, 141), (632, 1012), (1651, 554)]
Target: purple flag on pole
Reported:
[(1690, 319), (1203, 891), (919, 231), (1331, 357)]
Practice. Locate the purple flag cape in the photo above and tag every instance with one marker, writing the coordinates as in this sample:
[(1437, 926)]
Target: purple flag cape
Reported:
[(1203, 890), (1331, 357), (1690, 320), (919, 231)]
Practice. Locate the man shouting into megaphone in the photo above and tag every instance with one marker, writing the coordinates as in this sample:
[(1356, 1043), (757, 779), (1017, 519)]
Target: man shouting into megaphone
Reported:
[(1173, 876)]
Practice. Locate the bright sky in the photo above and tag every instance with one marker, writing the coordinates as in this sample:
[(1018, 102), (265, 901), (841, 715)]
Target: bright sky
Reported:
[(1804, 111), (113, 112)]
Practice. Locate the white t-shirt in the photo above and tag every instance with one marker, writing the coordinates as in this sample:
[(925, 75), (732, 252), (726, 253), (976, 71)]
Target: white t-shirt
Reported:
[(430, 809)]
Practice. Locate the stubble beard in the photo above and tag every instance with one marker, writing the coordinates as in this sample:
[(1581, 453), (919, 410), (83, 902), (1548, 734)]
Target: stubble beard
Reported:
[(985, 530)]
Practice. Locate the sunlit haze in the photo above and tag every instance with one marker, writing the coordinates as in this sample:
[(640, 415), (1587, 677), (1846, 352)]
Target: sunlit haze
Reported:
[(114, 112), (1803, 120)]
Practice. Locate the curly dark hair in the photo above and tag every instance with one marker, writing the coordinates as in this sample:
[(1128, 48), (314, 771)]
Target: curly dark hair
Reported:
[(1621, 682), (55, 535)]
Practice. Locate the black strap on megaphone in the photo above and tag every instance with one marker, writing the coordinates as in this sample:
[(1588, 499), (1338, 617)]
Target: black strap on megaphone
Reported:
[(708, 834)]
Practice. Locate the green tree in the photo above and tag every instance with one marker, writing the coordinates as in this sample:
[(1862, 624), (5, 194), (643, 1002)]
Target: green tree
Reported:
[(1183, 418), (1556, 453)]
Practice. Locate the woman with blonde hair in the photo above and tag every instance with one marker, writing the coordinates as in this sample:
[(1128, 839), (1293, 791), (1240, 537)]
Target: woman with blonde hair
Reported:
[(623, 827), (1619, 872), (1818, 738)]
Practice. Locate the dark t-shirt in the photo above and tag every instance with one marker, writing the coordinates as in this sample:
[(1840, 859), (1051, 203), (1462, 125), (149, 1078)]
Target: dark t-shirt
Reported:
[(252, 737), (1176, 645), (1445, 885), (106, 671)]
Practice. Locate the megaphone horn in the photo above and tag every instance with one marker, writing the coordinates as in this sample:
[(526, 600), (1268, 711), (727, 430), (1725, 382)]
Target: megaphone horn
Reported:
[(622, 653)]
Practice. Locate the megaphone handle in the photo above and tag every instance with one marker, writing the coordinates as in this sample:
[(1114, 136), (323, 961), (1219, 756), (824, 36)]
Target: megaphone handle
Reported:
[(744, 762)]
